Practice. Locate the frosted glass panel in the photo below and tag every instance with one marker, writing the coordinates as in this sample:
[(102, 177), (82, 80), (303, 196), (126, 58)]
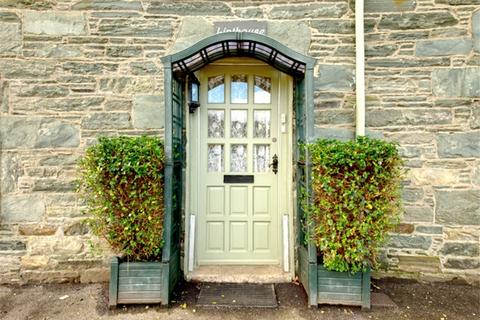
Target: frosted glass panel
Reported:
[(239, 89), (238, 126), (261, 124), (238, 158), (261, 157), (215, 158), (216, 123), (263, 89), (216, 89)]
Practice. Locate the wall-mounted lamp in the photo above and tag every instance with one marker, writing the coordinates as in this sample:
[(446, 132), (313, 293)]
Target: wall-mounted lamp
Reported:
[(193, 93)]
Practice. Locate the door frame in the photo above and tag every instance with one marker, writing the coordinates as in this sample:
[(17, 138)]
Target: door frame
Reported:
[(179, 66), (283, 103)]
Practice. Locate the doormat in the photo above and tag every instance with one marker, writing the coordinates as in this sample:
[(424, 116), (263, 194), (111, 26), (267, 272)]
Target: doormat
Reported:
[(237, 295)]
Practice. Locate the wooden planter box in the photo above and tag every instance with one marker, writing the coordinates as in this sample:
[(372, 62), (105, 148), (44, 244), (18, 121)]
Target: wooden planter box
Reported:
[(142, 282), (331, 287)]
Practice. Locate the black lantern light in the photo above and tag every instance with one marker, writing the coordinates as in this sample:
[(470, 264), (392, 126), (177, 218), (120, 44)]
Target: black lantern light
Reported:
[(193, 93)]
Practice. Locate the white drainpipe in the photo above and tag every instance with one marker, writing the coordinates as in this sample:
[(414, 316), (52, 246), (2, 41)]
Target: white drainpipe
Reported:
[(360, 69)]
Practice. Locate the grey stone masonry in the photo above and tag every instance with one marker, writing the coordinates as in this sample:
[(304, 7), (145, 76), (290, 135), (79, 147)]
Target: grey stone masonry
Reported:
[(459, 145), (456, 82), (425, 96), (146, 113), (55, 23), (460, 207), (10, 33), (74, 70), (476, 30), (190, 8), (338, 77), (387, 5), (308, 10), (107, 5), (408, 21), (22, 209), (22, 132), (443, 47)]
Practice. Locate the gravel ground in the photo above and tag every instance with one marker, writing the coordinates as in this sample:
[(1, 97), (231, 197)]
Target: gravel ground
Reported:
[(75, 302)]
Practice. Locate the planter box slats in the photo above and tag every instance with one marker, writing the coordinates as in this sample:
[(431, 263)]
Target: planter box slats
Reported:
[(339, 300), (139, 266), (139, 273), (338, 296), (331, 287), (336, 288), (138, 301), (139, 297), (139, 287), (339, 281), (303, 268), (140, 280), (324, 273), (143, 282)]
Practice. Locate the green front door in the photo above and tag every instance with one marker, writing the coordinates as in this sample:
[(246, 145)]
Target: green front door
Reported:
[(240, 193)]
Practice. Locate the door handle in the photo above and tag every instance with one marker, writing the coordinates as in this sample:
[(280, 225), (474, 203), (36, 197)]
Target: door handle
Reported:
[(274, 164)]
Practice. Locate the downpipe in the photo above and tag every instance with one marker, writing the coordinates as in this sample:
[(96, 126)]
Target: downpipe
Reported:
[(359, 68)]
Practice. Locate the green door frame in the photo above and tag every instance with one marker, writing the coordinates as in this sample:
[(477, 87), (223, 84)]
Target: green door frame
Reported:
[(175, 70)]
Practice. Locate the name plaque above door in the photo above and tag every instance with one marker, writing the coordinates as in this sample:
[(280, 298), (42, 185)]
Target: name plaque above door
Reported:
[(253, 26)]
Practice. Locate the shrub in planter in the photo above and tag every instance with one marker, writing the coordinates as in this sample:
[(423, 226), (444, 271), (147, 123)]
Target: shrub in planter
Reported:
[(122, 185), (357, 200), (121, 181), (356, 187)]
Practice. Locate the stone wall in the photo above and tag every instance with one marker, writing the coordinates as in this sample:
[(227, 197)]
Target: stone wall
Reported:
[(423, 91), (73, 70)]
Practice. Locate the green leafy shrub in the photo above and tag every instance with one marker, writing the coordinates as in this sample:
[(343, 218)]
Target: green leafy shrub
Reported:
[(121, 181), (356, 200)]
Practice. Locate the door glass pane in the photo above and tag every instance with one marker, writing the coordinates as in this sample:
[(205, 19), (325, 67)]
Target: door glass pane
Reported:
[(215, 158), (261, 157), (261, 124), (216, 123), (238, 126), (239, 89), (216, 89), (263, 89), (238, 158)]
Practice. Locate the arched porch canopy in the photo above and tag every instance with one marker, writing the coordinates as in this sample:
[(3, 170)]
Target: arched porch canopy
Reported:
[(232, 44), (239, 44)]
